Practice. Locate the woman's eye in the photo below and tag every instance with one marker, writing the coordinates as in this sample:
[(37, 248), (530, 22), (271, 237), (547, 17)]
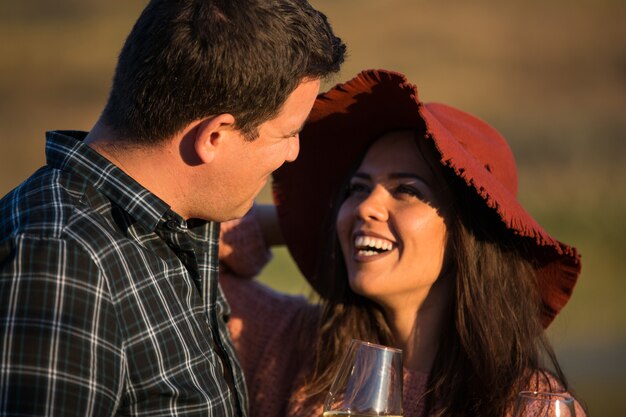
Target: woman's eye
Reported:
[(408, 191), (357, 188)]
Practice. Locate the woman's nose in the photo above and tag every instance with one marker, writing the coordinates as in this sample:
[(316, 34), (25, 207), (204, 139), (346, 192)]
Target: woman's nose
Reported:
[(373, 206)]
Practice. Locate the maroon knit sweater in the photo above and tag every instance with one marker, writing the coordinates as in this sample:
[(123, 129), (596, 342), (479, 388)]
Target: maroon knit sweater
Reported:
[(262, 326)]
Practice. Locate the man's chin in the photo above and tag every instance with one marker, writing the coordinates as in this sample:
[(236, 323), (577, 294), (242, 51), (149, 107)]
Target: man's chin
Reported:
[(239, 212)]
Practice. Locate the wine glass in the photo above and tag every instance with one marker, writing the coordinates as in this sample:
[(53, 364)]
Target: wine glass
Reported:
[(544, 404), (368, 383)]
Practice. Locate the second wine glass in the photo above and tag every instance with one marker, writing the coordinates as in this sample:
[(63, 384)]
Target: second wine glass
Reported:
[(544, 404)]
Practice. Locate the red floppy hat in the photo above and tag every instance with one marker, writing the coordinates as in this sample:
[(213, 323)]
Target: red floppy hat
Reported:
[(346, 120)]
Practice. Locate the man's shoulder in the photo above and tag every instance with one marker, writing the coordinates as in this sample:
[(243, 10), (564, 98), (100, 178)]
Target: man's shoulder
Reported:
[(56, 209), (43, 205)]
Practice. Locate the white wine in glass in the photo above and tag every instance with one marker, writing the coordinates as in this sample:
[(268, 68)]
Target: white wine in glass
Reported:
[(544, 404), (368, 383)]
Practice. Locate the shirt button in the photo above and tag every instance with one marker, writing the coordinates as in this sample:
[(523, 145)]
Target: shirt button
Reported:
[(172, 224)]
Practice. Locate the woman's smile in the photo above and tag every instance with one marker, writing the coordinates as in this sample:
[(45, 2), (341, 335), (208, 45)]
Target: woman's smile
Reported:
[(369, 247)]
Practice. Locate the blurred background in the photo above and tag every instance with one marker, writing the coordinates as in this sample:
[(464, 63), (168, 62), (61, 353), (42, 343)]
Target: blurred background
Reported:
[(551, 76)]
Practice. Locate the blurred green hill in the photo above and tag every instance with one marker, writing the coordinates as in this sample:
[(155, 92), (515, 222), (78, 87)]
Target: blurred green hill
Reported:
[(551, 76)]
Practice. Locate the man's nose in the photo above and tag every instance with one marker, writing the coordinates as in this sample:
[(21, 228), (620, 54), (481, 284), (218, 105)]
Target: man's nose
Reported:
[(294, 149)]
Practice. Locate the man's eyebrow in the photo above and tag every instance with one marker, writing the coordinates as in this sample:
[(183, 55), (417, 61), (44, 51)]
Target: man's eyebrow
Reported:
[(296, 131)]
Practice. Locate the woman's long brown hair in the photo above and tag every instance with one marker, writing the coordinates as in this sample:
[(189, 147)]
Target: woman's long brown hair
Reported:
[(493, 345)]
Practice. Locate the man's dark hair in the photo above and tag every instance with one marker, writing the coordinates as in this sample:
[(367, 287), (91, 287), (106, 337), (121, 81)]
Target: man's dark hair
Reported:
[(189, 59)]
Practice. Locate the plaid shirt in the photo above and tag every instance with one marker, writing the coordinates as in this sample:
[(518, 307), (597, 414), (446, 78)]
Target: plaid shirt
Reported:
[(109, 301)]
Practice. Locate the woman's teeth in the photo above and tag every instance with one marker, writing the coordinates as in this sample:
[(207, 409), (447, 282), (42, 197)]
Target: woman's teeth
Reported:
[(369, 246)]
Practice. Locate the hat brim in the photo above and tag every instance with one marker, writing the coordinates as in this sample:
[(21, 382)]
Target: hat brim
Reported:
[(347, 119)]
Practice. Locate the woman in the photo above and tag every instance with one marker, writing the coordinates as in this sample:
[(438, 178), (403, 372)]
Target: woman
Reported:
[(426, 249)]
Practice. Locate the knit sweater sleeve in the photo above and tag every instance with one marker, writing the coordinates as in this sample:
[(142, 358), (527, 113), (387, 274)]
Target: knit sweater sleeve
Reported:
[(242, 250), (265, 327)]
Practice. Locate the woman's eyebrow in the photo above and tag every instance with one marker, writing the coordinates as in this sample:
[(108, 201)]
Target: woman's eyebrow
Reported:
[(427, 181), (362, 176), (393, 176), (402, 175)]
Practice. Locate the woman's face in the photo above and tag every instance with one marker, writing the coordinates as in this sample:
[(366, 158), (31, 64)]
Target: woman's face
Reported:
[(391, 233)]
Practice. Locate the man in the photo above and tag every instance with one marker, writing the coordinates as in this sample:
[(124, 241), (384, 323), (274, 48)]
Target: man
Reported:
[(109, 298)]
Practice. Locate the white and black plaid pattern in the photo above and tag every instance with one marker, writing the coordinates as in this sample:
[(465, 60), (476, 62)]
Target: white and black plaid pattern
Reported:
[(109, 301)]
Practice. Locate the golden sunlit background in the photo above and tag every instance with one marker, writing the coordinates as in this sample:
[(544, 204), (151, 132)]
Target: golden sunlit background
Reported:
[(550, 75)]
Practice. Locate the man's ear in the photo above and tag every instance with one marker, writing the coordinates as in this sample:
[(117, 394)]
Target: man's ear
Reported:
[(211, 134)]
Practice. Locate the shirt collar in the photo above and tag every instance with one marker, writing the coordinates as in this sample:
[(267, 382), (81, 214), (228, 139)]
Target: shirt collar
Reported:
[(66, 151)]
